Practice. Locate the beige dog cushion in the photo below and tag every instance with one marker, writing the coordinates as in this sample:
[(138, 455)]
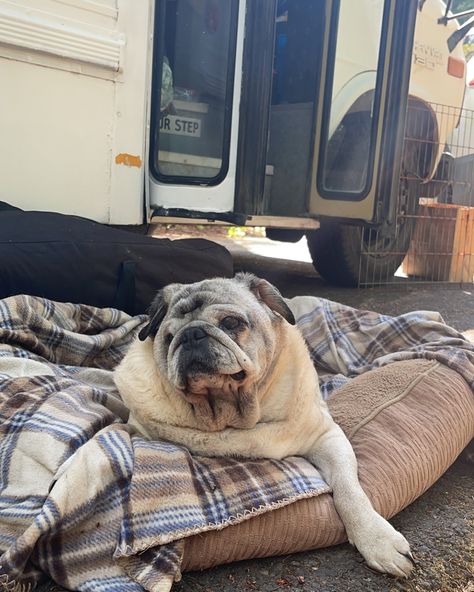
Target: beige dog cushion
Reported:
[(407, 422)]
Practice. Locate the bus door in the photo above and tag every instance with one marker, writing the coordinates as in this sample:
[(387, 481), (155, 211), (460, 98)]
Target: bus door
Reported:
[(195, 104), (336, 98), (279, 108)]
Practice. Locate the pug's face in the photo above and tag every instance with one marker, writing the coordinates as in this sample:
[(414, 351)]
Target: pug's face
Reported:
[(216, 339)]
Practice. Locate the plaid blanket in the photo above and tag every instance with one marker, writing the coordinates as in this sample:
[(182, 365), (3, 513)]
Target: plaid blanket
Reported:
[(95, 506), (345, 342)]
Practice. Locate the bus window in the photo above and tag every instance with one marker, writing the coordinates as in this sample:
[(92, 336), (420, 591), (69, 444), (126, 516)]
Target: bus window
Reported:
[(348, 141), (193, 84)]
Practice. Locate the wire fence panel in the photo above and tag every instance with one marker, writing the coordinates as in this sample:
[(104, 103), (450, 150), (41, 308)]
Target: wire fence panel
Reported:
[(433, 237)]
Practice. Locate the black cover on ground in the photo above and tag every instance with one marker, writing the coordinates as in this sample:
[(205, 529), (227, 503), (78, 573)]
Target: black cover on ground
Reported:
[(72, 259)]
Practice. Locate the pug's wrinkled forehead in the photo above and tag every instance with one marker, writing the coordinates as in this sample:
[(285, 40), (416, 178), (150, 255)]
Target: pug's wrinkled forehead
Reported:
[(244, 291), (185, 299)]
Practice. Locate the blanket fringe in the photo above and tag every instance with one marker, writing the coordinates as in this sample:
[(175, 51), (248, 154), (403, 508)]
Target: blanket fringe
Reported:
[(177, 535), (8, 585)]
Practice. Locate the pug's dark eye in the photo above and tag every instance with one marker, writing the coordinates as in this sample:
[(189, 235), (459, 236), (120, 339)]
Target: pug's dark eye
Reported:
[(168, 338), (231, 323)]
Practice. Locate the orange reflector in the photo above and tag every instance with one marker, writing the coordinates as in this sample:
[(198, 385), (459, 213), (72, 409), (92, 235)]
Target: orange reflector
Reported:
[(456, 67)]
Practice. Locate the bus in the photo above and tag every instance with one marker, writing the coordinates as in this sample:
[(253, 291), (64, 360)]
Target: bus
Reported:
[(306, 117)]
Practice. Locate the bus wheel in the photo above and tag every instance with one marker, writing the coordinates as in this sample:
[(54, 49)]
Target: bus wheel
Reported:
[(286, 235), (356, 256)]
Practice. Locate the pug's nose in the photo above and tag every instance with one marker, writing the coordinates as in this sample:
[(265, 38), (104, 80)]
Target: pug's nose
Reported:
[(193, 337)]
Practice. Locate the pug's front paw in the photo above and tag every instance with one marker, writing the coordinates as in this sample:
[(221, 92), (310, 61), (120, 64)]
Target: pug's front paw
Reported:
[(384, 548)]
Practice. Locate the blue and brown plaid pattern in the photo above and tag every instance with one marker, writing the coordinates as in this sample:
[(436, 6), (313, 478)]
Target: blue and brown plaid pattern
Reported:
[(97, 507), (345, 342)]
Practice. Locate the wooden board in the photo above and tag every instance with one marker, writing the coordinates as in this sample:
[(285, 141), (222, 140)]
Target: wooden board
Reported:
[(442, 248)]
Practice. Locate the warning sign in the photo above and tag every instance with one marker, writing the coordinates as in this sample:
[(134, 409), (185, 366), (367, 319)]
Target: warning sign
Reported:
[(180, 126)]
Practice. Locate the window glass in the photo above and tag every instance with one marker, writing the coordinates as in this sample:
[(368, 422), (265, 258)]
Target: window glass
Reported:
[(351, 115), (196, 56)]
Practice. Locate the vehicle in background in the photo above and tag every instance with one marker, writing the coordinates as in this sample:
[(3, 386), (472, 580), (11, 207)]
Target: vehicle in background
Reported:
[(468, 46), (289, 114), (461, 140), (461, 145)]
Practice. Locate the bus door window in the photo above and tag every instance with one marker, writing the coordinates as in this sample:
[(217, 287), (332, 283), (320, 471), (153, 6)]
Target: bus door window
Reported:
[(350, 115), (195, 50)]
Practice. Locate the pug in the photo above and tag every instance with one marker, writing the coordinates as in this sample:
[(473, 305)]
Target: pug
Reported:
[(221, 369)]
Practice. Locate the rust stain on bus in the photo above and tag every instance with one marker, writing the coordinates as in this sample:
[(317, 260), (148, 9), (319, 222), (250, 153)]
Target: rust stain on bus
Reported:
[(128, 160)]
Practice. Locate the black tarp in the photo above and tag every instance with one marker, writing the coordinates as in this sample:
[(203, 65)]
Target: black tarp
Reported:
[(72, 259)]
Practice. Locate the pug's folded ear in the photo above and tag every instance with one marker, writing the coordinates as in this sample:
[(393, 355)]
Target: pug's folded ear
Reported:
[(268, 294), (156, 312)]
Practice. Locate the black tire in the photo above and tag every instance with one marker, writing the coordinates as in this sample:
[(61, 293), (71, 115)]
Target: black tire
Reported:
[(286, 235), (356, 256)]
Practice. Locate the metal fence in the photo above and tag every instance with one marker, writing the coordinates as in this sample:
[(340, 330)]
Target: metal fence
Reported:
[(434, 239)]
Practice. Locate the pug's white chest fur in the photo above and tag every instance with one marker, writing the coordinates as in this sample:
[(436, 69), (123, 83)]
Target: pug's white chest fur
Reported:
[(288, 419)]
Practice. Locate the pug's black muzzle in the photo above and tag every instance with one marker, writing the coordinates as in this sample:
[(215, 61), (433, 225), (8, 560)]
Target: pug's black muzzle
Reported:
[(194, 338), (202, 359), (195, 356)]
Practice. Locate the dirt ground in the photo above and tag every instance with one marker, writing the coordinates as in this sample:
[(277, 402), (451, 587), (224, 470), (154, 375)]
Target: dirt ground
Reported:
[(439, 525)]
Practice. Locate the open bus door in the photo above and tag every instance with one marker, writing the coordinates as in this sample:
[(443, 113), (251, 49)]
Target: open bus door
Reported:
[(280, 112)]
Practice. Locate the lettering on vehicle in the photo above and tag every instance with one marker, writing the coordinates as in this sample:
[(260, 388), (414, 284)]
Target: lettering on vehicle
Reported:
[(427, 56), (180, 126)]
